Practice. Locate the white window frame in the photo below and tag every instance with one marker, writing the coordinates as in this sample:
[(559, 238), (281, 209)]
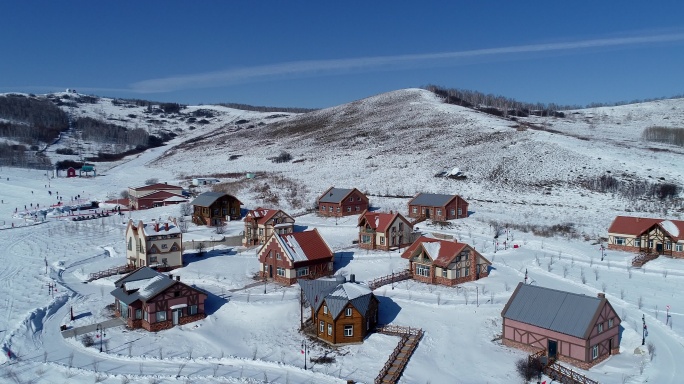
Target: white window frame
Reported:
[(330, 330), (351, 199), (439, 212), (452, 211), (192, 310), (414, 210), (460, 212), (382, 240), (610, 323), (160, 316), (348, 312), (358, 208), (280, 271), (444, 272), (594, 352), (325, 309), (678, 247), (321, 327), (600, 327), (423, 270), (303, 272), (349, 208), (348, 330)]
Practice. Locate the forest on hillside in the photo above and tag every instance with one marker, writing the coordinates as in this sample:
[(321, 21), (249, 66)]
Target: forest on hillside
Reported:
[(31, 120)]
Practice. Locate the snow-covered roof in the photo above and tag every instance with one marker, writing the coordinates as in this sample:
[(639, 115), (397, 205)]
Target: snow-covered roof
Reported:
[(337, 292), (670, 227)]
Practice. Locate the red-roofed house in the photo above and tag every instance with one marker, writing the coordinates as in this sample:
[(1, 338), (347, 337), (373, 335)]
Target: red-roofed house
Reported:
[(260, 223), (155, 195), (445, 262), (342, 202), (303, 255), (639, 234), (385, 231)]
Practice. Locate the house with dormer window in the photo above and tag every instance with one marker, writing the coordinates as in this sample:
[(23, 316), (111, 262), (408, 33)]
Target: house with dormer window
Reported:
[(379, 230), (288, 257), (260, 223), (155, 244), (647, 235), (445, 262), (342, 311)]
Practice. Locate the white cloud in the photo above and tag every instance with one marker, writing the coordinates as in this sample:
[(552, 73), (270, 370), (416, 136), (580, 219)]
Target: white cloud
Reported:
[(313, 67)]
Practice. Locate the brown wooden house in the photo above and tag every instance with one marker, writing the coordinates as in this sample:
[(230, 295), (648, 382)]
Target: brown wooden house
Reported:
[(445, 262), (578, 329), (437, 207), (215, 208), (260, 223), (342, 202), (640, 234), (288, 257), (153, 195), (378, 230), (342, 312), (148, 299)]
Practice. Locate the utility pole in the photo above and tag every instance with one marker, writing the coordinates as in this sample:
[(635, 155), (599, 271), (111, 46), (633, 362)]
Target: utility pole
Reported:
[(603, 252), (525, 275), (304, 352), (643, 332)]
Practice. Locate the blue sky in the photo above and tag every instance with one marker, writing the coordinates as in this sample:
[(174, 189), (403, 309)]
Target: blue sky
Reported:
[(320, 54)]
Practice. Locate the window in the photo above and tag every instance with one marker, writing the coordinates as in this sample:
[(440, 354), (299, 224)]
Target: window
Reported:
[(459, 212), (401, 226), (348, 209), (348, 312), (458, 272), (414, 210), (331, 209), (153, 259), (678, 247), (423, 270), (452, 212), (439, 212), (358, 198), (382, 240), (594, 352), (130, 243), (302, 271), (338, 209), (329, 329), (444, 272), (153, 250), (348, 330), (146, 316), (161, 316), (192, 310), (467, 271), (325, 309), (165, 261), (610, 323), (358, 208), (321, 327), (277, 256), (322, 208), (668, 245), (351, 198), (650, 243), (164, 246), (176, 294), (138, 314), (365, 239), (281, 271), (261, 231), (637, 242), (600, 327)]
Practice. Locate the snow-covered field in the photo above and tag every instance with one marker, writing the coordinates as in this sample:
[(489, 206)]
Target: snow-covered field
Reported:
[(252, 336)]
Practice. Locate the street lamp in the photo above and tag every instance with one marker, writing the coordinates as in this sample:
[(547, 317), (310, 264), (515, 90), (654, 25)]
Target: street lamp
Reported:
[(304, 351), (101, 335), (643, 332)]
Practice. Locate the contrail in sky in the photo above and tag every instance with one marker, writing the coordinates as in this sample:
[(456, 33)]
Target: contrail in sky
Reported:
[(312, 67)]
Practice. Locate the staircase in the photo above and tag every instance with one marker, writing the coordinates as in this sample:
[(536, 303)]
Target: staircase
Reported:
[(111, 272), (642, 258), (557, 372), (384, 280), (394, 367)]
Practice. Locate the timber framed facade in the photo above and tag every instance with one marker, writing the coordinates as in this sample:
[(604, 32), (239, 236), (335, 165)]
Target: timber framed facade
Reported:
[(647, 235), (384, 231), (261, 223), (577, 329), (445, 262), (150, 300)]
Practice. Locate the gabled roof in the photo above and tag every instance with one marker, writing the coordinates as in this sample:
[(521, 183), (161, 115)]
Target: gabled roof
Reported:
[(303, 246), (442, 252), (161, 195), (432, 199), (150, 228), (146, 283), (206, 199), (380, 221), (337, 292), (156, 187), (337, 195), (565, 312), (635, 226), (262, 215)]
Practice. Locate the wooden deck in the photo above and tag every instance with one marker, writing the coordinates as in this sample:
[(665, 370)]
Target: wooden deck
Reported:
[(643, 258), (557, 372), (394, 367), (389, 279), (111, 272)]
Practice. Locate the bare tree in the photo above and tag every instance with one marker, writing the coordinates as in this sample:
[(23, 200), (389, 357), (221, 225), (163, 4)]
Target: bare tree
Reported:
[(185, 209), (640, 302), (596, 273), (565, 271), (603, 287)]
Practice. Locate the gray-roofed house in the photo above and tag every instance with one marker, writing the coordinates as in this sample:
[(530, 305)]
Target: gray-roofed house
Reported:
[(342, 311), (437, 207), (156, 244), (342, 202), (215, 208), (578, 329), (151, 300)]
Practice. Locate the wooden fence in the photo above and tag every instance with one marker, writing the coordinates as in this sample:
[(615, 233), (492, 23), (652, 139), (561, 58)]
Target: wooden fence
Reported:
[(395, 364), (389, 279), (557, 372), (111, 271)]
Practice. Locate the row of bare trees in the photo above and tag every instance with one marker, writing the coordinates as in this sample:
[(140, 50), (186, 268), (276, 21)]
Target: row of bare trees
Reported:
[(31, 119)]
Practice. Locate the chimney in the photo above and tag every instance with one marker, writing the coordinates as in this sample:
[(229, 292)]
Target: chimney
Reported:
[(601, 295), (156, 226), (166, 225), (177, 278), (171, 276), (352, 278)]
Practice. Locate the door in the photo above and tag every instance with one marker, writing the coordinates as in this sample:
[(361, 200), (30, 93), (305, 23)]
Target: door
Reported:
[(177, 315), (270, 271), (427, 213), (659, 248), (553, 346), (610, 346)]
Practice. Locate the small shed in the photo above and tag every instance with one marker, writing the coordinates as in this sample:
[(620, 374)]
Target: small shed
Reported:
[(87, 169), (71, 172)]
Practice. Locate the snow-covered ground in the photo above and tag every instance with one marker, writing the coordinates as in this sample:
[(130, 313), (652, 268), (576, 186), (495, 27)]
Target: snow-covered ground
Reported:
[(252, 336)]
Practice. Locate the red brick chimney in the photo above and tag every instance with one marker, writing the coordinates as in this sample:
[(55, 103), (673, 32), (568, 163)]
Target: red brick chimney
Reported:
[(601, 295), (156, 226), (166, 225)]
